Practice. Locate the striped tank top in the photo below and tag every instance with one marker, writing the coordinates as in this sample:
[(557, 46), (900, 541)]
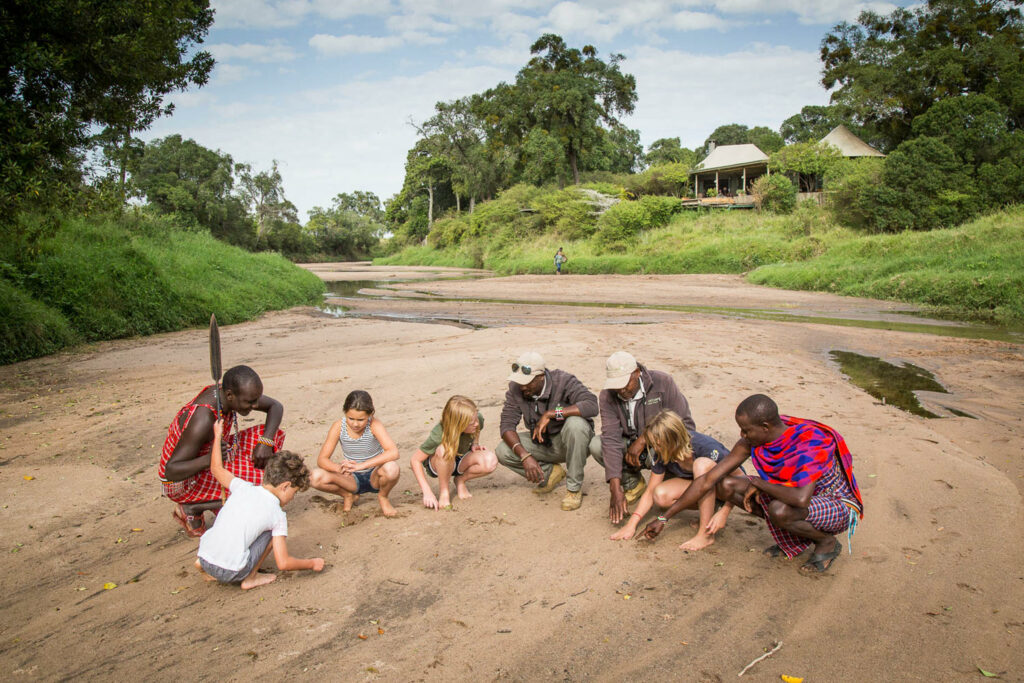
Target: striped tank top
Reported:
[(363, 448)]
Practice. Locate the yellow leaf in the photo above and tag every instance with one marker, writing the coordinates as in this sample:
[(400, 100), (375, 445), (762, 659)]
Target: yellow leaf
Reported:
[(627, 596), (791, 679), (361, 637), (109, 585), (28, 477), (136, 529)]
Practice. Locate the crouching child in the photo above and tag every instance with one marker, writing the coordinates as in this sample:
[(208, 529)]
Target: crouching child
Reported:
[(252, 523)]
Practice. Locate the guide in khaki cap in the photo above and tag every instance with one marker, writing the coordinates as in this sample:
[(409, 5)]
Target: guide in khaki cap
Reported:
[(558, 412), (631, 397)]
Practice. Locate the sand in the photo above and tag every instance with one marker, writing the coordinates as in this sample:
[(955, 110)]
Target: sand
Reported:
[(506, 585)]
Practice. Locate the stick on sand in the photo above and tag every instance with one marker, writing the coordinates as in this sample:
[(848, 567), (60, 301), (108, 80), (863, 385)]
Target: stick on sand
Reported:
[(766, 655)]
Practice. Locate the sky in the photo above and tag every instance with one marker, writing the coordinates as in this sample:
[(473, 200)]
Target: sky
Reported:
[(328, 87)]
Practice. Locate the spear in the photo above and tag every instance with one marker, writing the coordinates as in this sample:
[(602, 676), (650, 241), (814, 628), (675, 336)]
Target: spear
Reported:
[(215, 359)]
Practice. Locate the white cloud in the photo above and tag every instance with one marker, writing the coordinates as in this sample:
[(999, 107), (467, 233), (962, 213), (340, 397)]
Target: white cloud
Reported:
[(686, 20), (420, 23), (272, 52), (686, 95), (349, 44), (230, 73), (280, 13)]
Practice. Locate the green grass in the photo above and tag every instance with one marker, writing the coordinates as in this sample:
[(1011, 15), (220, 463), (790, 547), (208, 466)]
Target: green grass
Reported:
[(95, 279), (974, 271), (971, 272)]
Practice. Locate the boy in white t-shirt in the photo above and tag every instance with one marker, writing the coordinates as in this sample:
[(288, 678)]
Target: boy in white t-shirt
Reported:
[(251, 523)]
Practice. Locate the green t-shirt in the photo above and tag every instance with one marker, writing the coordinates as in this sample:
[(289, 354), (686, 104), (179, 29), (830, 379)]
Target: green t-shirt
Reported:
[(434, 439)]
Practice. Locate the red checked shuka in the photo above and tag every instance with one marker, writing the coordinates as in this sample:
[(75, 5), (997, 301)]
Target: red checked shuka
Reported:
[(237, 449)]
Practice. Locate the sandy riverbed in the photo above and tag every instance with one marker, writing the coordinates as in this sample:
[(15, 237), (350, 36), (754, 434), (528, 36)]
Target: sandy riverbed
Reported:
[(506, 585)]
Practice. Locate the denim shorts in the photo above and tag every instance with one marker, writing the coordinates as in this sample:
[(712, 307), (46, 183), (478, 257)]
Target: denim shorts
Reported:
[(256, 550), (457, 470), (363, 481)]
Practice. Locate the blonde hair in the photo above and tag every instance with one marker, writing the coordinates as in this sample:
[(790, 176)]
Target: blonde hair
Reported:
[(459, 412), (668, 436)]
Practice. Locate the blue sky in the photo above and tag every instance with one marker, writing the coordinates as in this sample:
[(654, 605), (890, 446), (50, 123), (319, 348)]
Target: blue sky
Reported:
[(327, 87)]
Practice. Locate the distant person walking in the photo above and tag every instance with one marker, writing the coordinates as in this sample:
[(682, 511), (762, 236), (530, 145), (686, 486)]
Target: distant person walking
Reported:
[(560, 258)]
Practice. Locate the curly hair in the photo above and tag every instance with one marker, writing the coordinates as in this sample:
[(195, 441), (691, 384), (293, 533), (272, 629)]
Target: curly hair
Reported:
[(287, 466)]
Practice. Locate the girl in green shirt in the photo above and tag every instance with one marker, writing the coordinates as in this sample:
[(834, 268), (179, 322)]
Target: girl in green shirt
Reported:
[(453, 451)]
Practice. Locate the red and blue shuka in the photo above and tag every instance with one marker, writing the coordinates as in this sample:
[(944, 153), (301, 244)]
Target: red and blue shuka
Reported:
[(806, 453), (237, 449)]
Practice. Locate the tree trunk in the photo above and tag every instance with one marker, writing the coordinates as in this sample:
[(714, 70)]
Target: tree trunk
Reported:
[(472, 204), (458, 203), (572, 163), (430, 206)]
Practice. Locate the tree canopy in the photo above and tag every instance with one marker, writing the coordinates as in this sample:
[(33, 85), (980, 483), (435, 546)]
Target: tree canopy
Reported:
[(888, 70), (68, 67)]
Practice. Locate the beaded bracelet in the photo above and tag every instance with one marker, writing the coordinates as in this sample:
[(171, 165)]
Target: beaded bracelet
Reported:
[(662, 519), (559, 415), (265, 441)]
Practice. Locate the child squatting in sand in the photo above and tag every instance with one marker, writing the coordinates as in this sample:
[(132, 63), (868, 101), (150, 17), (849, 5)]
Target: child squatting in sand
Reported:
[(453, 451), (251, 523), (369, 456), (679, 457)]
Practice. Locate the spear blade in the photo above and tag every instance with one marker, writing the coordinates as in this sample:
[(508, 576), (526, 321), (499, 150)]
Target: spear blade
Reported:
[(215, 367)]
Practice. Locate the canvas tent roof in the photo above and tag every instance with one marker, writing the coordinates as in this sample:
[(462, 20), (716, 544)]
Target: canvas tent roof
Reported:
[(849, 144), (732, 156)]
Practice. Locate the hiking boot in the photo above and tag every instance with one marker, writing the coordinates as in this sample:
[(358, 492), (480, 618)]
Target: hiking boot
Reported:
[(633, 495), (556, 476), (572, 500)]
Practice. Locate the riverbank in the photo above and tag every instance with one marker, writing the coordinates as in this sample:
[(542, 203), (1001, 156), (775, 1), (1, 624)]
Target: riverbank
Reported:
[(971, 272), (506, 585), (93, 279)]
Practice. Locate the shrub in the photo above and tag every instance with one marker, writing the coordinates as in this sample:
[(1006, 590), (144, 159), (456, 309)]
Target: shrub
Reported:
[(774, 193), (620, 224), (847, 187)]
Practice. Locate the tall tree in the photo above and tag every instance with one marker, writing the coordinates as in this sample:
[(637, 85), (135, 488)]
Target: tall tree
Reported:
[(766, 139), (567, 92), (366, 204), (69, 67), (263, 195), (888, 70), (666, 151), (181, 177)]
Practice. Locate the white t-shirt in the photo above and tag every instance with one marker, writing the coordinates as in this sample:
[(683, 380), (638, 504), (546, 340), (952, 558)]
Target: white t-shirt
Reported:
[(249, 511)]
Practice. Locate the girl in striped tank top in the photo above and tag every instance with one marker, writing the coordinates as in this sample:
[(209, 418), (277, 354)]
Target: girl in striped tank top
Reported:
[(369, 456)]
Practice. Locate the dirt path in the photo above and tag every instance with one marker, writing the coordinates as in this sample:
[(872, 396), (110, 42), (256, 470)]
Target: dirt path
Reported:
[(506, 585)]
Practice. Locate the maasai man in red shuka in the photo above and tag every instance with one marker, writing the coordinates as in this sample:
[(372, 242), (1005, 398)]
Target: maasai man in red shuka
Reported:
[(185, 460), (806, 491)]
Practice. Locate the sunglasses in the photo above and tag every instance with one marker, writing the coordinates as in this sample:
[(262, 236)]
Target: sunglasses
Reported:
[(525, 369)]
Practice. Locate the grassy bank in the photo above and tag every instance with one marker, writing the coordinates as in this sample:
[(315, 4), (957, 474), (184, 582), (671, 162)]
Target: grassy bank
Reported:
[(95, 279), (972, 272)]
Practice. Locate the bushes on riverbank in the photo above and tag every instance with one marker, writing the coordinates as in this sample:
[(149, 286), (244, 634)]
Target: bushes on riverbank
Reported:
[(93, 279)]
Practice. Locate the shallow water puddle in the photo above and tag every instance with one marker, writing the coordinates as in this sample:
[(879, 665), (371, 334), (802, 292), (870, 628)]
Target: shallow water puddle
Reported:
[(893, 384)]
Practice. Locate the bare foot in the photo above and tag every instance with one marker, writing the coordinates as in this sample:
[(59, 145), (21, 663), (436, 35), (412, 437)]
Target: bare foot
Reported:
[(623, 534), (258, 580), (460, 488), (698, 542), (386, 507), (206, 577), (444, 500), (350, 500)]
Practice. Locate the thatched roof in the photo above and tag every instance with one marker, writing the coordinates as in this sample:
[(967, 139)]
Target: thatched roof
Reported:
[(731, 156), (849, 144)]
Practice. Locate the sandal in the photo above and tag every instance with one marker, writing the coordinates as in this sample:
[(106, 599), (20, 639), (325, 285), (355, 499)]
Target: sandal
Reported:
[(820, 562), (188, 522), (772, 551)]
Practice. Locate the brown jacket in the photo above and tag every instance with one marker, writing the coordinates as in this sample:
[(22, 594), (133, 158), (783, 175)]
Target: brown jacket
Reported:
[(661, 393), (562, 389)]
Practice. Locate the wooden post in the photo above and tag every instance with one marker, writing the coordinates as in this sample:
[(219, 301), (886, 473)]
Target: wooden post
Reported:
[(717, 192), (744, 180)]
